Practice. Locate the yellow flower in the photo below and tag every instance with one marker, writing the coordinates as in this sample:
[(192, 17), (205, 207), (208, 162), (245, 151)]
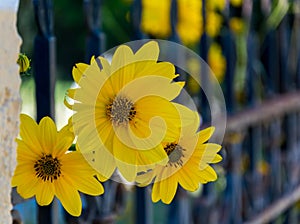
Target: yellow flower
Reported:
[(24, 63), (236, 3), (123, 110), (237, 25), (188, 165), (213, 23), (217, 61), (156, 17), (45, 169), (215, 5), (189, 24)]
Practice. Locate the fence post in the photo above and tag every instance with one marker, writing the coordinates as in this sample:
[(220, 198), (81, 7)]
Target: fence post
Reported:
[(44, 74), (95, 41)]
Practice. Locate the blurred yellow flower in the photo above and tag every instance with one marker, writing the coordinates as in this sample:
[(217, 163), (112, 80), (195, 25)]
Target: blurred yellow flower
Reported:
[(193, 66), (45, 169), (236, 3), (190, 21), (156, 17), (217, 61), (188, 165), (123, 110), (213, 23), (237, 25), (215, 5)]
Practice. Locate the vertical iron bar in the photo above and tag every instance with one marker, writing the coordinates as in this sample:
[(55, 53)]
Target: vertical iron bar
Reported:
[(230, 55), (174, 18), (204, 204), (136, 18), (204, 78), (44, 69), (143, 208), (95, 41)]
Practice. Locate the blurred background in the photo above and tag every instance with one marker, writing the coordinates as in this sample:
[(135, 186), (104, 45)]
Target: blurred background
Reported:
[(252, 47)]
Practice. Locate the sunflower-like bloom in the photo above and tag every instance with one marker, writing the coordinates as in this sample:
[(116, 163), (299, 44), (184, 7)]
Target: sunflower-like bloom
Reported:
[(156, 17), (123, 110), (217, 61), (45, 169), (188, 165)]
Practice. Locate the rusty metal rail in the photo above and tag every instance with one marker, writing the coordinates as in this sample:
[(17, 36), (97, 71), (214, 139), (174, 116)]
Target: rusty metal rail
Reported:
[(269, 109), (277, 208)]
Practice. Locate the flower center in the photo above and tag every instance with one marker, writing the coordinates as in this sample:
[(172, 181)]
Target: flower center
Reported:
[(120, 110), (47, 168), (175, 153)]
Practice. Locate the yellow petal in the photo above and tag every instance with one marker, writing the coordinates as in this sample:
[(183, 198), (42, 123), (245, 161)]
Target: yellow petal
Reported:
[(101, 177), (145, 178), (67, 104), (126, 160), (209, 151), (64, 142), (163, 69), (86, 184), (122, 77), (151, 86), (147, 148), (29, 132), (217, 159), (71, 93), (156, 195), (168, 189), (188, 180), (154, 156), (75, 162), (26, 153), (48, 134), (208, 174), (123, 56), (152, 106), (102, 161), (96, 153), (78, 71), (23, 172), (205, 134), (68, 196), (148, 51), (26, 185), (188, 118), (44, 193)]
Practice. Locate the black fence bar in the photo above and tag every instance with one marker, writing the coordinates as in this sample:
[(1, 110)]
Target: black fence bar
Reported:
[(44, 73), (95, 41)]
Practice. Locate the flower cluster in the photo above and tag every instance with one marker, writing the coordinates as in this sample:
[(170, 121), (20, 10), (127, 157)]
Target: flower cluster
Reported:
[(124, 119)]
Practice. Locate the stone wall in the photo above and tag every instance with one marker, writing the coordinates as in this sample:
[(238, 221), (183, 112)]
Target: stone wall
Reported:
[(10, 102)]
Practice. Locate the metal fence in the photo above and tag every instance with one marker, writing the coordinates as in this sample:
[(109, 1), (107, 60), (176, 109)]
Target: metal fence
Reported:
[(260, 170)]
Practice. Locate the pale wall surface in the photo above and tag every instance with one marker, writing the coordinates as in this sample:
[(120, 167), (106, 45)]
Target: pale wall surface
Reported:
[(10, 102)]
